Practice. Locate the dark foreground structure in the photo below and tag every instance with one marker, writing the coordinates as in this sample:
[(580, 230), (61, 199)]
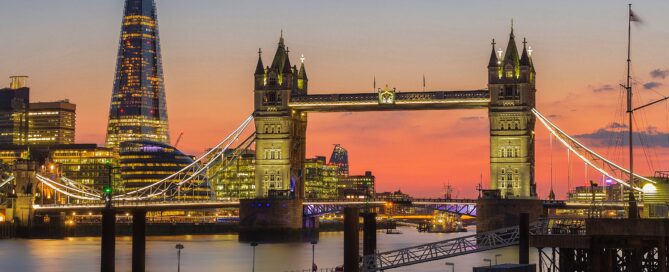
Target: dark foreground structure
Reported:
[(605, 245)]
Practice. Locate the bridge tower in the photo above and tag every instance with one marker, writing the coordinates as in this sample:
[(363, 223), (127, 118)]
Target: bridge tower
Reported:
[(511, 82), (280, 131)]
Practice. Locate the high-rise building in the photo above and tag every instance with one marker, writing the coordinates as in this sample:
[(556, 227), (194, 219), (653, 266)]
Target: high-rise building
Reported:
[(233, 178), (340, 157), (321, 179), (138, 109), (14, 111), (51, 123), (357, 186)]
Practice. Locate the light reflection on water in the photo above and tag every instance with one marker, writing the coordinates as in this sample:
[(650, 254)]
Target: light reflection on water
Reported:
[(221, 253)]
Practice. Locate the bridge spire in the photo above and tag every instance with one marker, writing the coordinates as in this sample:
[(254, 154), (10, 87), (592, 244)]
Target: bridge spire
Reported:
[(260, 67), (525, 58), (511, 56), (493, 56)]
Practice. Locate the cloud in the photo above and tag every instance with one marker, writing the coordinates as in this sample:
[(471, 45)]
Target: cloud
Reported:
[(602, 88), (607, 136), (554, 116), (615, 125), (651, 85), (659, 73)]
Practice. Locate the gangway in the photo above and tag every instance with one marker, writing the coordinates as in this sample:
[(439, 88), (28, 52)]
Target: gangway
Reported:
[(448, 248)]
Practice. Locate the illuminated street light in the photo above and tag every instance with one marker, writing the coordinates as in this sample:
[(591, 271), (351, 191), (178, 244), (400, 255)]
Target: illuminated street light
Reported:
[(254, 245), (179, 247), (313, 255)]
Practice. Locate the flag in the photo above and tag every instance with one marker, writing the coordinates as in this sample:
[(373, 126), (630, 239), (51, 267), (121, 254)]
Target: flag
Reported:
[(635, 18)]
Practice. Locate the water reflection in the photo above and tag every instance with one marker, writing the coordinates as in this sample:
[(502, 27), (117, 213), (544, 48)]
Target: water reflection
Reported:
[(221, 253)]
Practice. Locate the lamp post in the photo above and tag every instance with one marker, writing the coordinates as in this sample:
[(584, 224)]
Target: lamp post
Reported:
[(497, 255), (452, 265), (254, 245), (313, 255), (179, 247)]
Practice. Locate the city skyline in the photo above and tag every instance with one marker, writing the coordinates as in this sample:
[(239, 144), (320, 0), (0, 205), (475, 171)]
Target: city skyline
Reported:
[(449, 64)]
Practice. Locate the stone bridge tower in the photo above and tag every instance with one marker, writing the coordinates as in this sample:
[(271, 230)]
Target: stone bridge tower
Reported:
[(280, 131), (511, 82)]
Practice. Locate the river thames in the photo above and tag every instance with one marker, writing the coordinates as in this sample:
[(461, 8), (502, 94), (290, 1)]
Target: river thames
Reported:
[(224, 253)]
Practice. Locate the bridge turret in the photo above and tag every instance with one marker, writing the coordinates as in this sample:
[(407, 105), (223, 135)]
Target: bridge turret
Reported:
[(302, 80), (512, 97), (280, 131), (494, 64), (260, 74)]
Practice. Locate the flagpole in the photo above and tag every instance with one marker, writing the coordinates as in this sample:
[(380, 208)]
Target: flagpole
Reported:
[(630, 110)]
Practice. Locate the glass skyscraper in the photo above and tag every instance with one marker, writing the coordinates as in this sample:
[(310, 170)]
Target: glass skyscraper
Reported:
[(138, 109)]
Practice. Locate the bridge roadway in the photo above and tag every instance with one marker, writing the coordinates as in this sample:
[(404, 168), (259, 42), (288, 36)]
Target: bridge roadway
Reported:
[(312, 207), (159, 205)]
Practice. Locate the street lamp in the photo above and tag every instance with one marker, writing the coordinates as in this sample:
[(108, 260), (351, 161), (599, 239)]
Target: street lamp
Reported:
[(497, 255), (313, 255), (179, 247), (452, 265), (254, 245), (489, 262)]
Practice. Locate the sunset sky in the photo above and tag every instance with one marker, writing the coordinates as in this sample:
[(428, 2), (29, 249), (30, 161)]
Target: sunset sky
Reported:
[(69, 47)]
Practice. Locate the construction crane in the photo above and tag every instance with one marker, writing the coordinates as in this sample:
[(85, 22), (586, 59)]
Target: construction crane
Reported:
[(178, 139)]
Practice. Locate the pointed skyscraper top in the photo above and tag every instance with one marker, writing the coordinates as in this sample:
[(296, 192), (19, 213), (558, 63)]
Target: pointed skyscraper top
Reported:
[(493, 56), (138, 108)]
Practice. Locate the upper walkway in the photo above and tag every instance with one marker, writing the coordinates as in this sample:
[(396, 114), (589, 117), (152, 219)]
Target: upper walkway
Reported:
[(389, 100)]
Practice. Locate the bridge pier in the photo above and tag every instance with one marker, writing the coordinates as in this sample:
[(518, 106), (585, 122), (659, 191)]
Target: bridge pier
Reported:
[(108, 243), (369, 233), (524, 239), (138, 240), (351, 242)]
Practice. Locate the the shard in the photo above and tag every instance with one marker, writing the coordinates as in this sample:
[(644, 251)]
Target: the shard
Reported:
[(138, 108)]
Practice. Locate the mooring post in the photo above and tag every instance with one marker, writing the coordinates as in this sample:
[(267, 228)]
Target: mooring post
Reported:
[(138, 240), (369, 233), (108, 243), (524, 239), (351, 244)]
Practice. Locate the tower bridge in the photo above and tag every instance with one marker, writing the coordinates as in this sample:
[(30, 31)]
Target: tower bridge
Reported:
[(280, 116)]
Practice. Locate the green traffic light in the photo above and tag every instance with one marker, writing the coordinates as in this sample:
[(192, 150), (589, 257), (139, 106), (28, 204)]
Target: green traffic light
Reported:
[(107, 190)]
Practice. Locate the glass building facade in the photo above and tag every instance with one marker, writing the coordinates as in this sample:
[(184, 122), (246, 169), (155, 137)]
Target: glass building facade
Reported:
[(321, 179), (237, 181), (87, 164), (138, 107), (14, 104), (51, 123), (147, 162)]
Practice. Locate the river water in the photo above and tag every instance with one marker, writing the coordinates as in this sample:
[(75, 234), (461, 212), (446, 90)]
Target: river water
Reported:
[(224, 253)]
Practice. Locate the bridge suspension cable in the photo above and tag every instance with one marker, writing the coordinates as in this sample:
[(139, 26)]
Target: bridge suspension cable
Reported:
[(590, 157), (172, 183)]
